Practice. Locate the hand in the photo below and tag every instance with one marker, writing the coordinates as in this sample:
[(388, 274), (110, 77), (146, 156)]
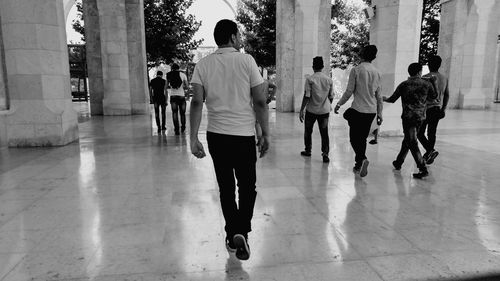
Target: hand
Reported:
[(197, 149), (384, 98), (263, 145), (301, 116), (442, 115), (379, 120), (336, 109)]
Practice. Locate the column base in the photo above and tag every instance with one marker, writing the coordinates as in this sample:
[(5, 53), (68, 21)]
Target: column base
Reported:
[(475, 98)]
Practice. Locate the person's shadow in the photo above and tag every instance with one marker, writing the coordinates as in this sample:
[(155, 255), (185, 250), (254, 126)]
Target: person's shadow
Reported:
[(234, 271)]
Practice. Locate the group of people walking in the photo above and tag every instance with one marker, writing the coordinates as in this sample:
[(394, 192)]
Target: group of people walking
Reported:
[(228, 82), (424, 100), (159, 92)]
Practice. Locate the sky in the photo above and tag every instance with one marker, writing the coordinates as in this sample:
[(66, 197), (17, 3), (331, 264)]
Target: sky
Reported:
[(208, 11)]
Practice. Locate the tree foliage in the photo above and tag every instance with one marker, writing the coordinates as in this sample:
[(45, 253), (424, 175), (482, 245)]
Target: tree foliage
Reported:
[(429, 35), (349, 31), (258, 18), (169, 30)]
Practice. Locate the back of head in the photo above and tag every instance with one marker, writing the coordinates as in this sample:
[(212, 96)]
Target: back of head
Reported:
[(223, 31), (318, 63), (414, 68), (369, 53), (175, 67), (434, 63), (159, 73)]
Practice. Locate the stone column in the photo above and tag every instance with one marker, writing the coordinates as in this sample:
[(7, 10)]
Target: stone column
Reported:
[(36, 55), (468, 47), (137, 56), (3, 72), (94, 57), (395, 30), (114, 52), (303, 32)]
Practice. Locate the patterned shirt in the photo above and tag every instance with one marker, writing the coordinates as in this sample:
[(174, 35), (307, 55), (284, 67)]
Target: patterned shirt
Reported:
[(414, 93)]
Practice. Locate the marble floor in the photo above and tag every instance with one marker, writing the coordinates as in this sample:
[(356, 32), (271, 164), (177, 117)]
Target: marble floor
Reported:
[(125, 203)]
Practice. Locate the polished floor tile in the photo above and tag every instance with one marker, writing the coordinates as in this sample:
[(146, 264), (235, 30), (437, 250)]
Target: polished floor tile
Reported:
[(127, 203)]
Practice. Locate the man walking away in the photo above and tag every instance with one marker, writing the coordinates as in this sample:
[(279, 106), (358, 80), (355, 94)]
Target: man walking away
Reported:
[(414, 93), (159, 95), (235, 97), (435, 110), (364, 85), (318, 97)]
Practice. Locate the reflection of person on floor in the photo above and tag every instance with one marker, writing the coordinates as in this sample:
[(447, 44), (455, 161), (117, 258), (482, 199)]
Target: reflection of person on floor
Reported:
[(364, 85), (235, 97), (158, 96), (414, 93), (178, 83), (318, 97), (435, 110)]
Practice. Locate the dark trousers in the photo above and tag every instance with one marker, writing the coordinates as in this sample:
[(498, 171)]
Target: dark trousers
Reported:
[(430, 124), (359, 129), (410, 142), (322, 119), (235, 156), (158, 107), (178, 104)]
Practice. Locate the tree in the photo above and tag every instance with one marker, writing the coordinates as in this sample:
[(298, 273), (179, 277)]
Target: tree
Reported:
[(429, 34), (169, 31), (350, 31), (258, 18)]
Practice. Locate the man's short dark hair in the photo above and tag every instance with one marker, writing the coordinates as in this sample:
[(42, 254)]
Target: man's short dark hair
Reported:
[(175, 66), (414, 68), (318, 62), (434, 63), (223, 31), (159, 73), (369, 53)]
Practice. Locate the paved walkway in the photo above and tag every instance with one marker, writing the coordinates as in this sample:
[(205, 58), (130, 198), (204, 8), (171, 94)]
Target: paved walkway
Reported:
[(124, 203)]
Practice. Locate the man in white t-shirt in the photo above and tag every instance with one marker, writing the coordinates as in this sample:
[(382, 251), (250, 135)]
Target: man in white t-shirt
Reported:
[(177, 81), (235, 96)]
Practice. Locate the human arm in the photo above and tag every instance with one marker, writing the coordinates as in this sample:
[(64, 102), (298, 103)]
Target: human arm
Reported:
[(166, 92), (380, 106), (305, 100), (195, 119), (446, 98), (185, 85), (261, 109), (349, 91), (395, 96)]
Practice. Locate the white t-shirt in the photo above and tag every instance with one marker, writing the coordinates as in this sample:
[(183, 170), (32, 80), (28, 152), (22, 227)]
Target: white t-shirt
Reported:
[(227, 77), (179, 91)]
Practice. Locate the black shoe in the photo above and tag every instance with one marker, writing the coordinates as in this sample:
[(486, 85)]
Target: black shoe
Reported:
[(159, 130), (432, 155), (183, 129), (305, 153), (374, 141), (421, 174), (230, 244), (396, 165), (242, 249), (364, 168), (326, 159), (356, 169)]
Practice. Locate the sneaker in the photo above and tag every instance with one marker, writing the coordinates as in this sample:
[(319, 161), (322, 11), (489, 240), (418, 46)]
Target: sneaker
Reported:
[(242, 249), (425, 156), (373, 141), (396, 165), (364, 168), (326, 159), (432, 155), (421, 174), (355, 169), (305, 153), (230, 244)]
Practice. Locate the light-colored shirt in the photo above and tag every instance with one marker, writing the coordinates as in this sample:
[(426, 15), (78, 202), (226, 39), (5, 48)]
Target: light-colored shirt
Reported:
[(319, 89), (364, 82), (179, 91), (442, 85), (227, 77)]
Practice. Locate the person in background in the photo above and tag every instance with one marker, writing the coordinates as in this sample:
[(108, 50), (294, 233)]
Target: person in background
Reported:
[(158, 96), (178, 96)]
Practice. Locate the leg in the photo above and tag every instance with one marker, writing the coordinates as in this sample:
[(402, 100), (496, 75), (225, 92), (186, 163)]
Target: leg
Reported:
[(413, 146), (433, 120), (182, 109), (157, 115), (308, 129), (422, 138), (244, 162), (323, 130), (404, 148), (217, 146), (175, 114), (163, 116)]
